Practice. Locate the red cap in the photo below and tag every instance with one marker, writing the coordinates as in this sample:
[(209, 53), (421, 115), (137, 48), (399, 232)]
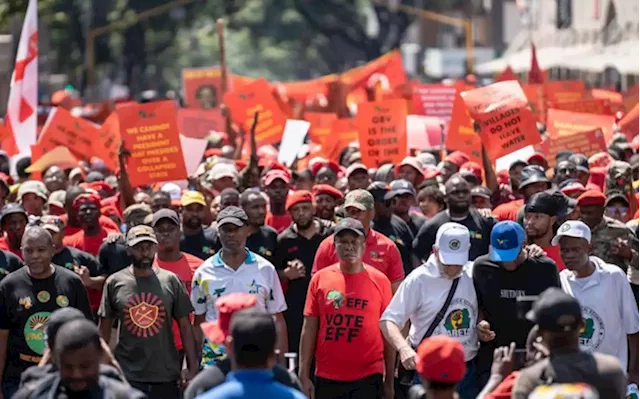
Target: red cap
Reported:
[(572, 188), (86, 199), (441, 358), (473, 168), (217, 331), (212, 152), (410, 161), (592, 197), (298, 197), (538, 156), (457, 158), (329, 164), (597, 177), (503, 177), (431, 172), (99, 185), (275, 174), (327, 189)]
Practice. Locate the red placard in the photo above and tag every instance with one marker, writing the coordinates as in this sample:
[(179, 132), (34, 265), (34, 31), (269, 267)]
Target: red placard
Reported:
[(382, 131), (198, 123)]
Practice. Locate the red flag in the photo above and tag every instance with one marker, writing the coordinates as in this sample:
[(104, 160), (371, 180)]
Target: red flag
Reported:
[(535, 73), (22, 118), (507, 74)]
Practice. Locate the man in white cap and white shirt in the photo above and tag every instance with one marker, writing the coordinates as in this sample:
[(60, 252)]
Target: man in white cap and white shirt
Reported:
[(608, 305), (439, 298)]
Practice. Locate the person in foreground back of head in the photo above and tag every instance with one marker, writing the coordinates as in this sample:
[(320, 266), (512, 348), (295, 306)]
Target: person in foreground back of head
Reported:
[(251, 346), (441, 366), (78, 353), (560, 324), (218, 331)]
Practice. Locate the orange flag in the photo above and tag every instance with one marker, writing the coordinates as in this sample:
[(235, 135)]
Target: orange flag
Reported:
[(507, 74), (321, 123), (535, 73), (64, 129), (629, 123), (343, 132), (460, 135), (382, 132), (105, 146)]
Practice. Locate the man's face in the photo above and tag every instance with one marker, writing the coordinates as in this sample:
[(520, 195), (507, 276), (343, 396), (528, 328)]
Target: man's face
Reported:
[(515, 176), (142, 198), (14, 225), (232, 237), (565, 170), (302, 214), (359, 179), (429, 207), (349, 246), (193, 215), (277, 191), (458, 195), (537, 225), (37, 252), (79, 369), (32, 204), (325, 206), (55, 179), (408, 173), (229, 199), (207, 98), (143, 254), (619, 210), (574, 252), (326, 175), (363, 217), (89, 214), (534, 188), (583, 177), (160, 202), (481, 202), (402, 203), (256, 210), (591, 215), (168, 235), (448, 271)]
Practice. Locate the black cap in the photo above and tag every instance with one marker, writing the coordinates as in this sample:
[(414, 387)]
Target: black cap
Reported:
[(12, 208), (532, 174), (233, 215), (169, 214), (400, 187), (481, 191), (350, 225), (254, 331), (518, 162), (616, 195), (543, 202), (555, 310), (378, 190), (57, 319), (563, 156), (581, 161), (565, 204)]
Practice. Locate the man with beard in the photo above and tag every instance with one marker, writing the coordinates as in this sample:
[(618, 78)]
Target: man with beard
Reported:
[(458, 199), (341, 324), (146, 299), (262, 239), (197, 240), (411, 171), (532, 180), (90, 238), (296, 248), (32, 195), (403, 197), (325, 172), (13, 221), (277, 184), (235, 269), (55, 179), (327, 198), (71, 220), (565, 170), (27, 299), (506, 194), (357, 177)]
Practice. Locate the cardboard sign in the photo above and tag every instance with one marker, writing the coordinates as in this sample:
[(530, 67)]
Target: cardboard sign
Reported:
[(58, 156), (199, 123), (64, 129), (292, 139), (460, 129), (631, 97), (580, 142), (252, 97), (321, 123), (535, 97), (435, 100), (629, 124), (382, 132), (150, 132), (562, 123), (107, 141), (589, 106), (192, 149), (506, 122), (202, 87), (564, 91), (343, 132)]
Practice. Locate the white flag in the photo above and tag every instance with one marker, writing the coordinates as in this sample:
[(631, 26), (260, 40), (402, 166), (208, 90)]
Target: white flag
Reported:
[(22, 115)]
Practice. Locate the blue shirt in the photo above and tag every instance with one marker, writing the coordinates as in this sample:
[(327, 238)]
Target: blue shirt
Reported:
[(252, 384)]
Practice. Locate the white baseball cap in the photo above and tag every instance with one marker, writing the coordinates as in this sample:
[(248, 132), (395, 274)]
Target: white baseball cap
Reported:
[(453, 242), (572, 228)]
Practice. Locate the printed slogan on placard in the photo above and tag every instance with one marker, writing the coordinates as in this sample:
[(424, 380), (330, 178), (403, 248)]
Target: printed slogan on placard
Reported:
[(382, 132)]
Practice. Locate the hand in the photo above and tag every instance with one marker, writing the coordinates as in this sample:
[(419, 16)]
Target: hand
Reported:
[(503, 361), (484, 332), (307, 386), (534, 251), (123, 153), (295, 270), (112, 238), (84, 275), (408, 358), (389, 392), (621, 248), (187, 375)]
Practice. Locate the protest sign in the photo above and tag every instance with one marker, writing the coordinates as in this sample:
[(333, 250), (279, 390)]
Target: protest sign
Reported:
[(589, 106), (535, 97), (460, 128), (321, 123), (506, 74), (254, 97), (59, 156), (561, 123), (580, 142), (202, 87), (292, 139), (629, 123), (343, 132), (192, 149), (106, 143), (505, 162), (150, 132), (382, 132), (564, 90), (434, 100), (423, 132), (199, 123), (631, 97), (506, 122), (64, 129)]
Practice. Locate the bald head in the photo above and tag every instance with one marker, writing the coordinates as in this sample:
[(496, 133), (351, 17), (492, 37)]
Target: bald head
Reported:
[(37, 234), (37, 251), (455, 181), (458, 195)]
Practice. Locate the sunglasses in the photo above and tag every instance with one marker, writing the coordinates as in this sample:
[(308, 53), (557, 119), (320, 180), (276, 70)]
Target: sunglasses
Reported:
[(614, 210)]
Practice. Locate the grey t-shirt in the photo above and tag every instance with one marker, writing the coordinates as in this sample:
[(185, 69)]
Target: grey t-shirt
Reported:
[(145, 307), (602, 372)]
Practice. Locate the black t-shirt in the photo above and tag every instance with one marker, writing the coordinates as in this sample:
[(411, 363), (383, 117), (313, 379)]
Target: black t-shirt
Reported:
[(72, 258), (203, 245), (292, 246), (113, 257), (213, 376), (398, 231), (415, 222), (498, 288), (263, 242), (26, 304), (479, 229), (9, 262)]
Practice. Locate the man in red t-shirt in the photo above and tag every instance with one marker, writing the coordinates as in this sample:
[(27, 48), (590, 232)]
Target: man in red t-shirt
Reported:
[(533, 181), (277, 184), (380, 252), (166, 225), (341, 324), (72, 222), (13, 221)]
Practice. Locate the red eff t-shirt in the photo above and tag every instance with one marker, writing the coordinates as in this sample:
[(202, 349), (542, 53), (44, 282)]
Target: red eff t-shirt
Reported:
[(349, 344), (184, 269), (380, 252), (4, 245), (553, 252), (104, 222), (278, 222)]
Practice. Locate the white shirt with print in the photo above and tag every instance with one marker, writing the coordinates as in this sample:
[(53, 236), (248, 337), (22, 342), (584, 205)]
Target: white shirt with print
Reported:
[(256, 276), (421, 296), (608, 307)]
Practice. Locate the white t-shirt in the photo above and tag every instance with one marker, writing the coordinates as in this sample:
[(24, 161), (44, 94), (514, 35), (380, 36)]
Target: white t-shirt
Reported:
[(608, 307), (423, 293)]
